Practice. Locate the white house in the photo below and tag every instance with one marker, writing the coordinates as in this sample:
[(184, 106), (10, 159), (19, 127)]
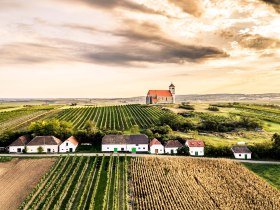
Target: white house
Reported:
[(125, 143), (18, 145), (196, 147), (156, 147), (69, 145), (241, 152), (50, 144), (171, 146)]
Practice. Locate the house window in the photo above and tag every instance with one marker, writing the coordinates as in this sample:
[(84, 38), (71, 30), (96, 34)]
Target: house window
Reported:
[(239, 155), (66, 144), (137, 145), (166, 99), (143, 147), (107, 147)]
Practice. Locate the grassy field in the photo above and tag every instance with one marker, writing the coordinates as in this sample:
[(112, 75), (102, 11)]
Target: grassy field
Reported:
[(269, 172)]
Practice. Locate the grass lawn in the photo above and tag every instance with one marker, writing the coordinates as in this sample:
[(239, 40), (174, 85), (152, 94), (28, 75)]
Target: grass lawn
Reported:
[(269, 172), (229, 139)]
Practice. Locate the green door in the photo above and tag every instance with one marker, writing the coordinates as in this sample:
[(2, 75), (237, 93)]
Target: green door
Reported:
[(245, 156), (115, 149), (133, 150), (196, 153)]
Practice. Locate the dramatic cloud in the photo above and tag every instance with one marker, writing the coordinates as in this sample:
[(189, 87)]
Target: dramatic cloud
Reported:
[(258, 42), (193, 7), (210, 45), (111, 4), (274, 3)]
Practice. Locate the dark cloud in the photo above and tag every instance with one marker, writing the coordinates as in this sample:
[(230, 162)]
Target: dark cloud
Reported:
[(29, 53), (143, 43), (193, 7), (274, 3), (258, 42), (112, 4)]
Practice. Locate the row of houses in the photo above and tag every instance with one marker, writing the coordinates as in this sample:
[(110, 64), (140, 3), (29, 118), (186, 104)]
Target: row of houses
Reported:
[(47, 144), (140, 143), (117, 143)]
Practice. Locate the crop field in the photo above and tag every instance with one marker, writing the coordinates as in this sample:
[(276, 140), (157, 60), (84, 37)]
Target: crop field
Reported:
[(120, 117), (194, 183), (82, 183), (18, 177), (22, 116)]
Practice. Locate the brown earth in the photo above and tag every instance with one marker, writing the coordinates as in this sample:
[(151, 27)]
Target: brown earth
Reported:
[(17, 179)]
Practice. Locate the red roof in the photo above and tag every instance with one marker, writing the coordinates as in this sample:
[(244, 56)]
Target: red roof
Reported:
[(195, 143), (154, 142), (73, 140), (160, 93)]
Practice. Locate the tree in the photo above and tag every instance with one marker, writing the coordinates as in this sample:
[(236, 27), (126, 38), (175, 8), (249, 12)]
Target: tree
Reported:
[(276, 140), (134, 129), (90, 127), (60, 129), (40, 149), (183, 150)]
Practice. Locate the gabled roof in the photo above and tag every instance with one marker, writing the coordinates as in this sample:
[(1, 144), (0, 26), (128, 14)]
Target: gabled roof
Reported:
[(73, 140), (195, 143), (44, 140), (21, 141), (125, 139), (159, 93), (155, 142), (173, 143), (240, 149)]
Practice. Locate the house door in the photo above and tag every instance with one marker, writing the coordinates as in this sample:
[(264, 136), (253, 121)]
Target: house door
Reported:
[(156, 151), (245, 156), (133, 150), (48, 150), (70, 149), (172, 152), (18, 149), (196, 153), (115, 149)]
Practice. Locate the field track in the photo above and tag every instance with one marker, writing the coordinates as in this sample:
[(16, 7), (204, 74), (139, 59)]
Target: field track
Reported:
[(17, 179)]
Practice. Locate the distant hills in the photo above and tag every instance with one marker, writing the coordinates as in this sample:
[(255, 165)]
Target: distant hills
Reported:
[(266, 97)]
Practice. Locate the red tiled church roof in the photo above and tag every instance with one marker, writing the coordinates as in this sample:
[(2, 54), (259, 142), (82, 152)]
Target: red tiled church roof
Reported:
[(160, 93)]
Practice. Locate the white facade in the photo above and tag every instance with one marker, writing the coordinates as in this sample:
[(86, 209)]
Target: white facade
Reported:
[(124, 147), (242, 156), (196, 151), (16, 149), (67, 146), (157, 149), (46, 148), (171, 150)]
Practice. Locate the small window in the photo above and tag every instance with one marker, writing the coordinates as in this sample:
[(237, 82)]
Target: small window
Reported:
[(239, 155), (137, 144), (139, 147), (67, 144), (143, 147), (107, 147)]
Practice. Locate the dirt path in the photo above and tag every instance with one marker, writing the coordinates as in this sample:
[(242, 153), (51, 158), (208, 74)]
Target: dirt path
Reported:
[(18, 177)]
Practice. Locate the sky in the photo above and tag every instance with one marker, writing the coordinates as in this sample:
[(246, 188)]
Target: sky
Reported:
[(123, 48)]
